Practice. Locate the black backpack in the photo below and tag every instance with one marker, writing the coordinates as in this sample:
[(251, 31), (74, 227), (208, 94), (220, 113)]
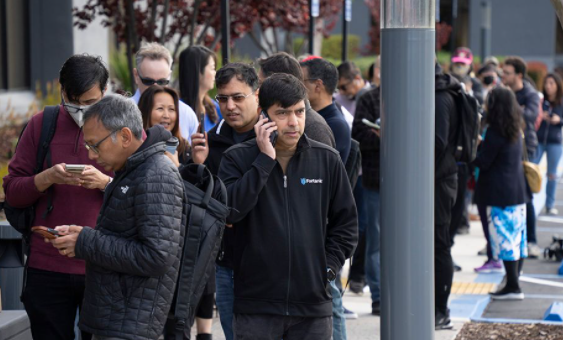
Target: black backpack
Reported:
[(21, 219), (206, 207), (469, 118)]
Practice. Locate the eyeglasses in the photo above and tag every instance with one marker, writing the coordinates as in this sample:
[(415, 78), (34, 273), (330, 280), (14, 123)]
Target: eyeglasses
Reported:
[(237, 98), (74, 109), (344, 86), (151, 82), (94, 147)]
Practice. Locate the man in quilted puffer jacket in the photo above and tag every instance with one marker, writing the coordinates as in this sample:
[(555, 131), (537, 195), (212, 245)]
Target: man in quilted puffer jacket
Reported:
[(132, 256)]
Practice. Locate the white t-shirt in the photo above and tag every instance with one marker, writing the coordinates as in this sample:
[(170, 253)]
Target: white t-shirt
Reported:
[(187, 118)]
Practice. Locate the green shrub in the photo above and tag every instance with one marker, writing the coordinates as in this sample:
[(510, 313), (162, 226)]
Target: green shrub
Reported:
[(332, 46), (119, 70)]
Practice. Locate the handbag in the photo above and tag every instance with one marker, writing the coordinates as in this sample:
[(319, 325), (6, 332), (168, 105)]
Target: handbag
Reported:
[(531, 171)]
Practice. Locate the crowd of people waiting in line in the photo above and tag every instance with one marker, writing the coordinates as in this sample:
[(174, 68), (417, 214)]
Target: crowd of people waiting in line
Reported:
[(299, 207)]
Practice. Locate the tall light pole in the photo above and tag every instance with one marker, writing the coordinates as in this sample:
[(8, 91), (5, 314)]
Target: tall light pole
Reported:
[(225, 31), (485, 29), (313, 13), (346, 18), (407, 161)]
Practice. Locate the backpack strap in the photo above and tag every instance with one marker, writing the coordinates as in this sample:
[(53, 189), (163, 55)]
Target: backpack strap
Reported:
[(48, 127)]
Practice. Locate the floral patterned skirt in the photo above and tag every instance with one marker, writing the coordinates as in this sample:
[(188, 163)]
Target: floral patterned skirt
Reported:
[(507, 230)]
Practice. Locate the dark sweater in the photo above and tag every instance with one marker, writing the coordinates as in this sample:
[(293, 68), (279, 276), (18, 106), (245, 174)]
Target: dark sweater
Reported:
[(71, 204), (367, 107), (340, 129), (501, 179)]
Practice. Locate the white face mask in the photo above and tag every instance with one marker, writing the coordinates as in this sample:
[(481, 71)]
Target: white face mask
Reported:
[(460, 69), (76, 112)]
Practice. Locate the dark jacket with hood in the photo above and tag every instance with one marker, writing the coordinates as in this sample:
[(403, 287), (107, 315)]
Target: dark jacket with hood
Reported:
[(551, 133), (446, 125), (529, 99), (132, 256), (220, 138), (289, 228)]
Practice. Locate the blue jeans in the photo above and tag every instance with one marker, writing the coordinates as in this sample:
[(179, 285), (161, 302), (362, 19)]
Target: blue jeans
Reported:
[(371, 199), (225, 298), (553, 156), (338, 320)]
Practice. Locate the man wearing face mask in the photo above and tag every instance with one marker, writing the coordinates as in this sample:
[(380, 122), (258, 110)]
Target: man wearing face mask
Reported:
[(461, 66), (54, 287), (489, 77)]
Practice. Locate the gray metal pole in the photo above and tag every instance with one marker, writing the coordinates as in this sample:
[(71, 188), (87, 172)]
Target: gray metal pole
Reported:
[(407, 162), (225, 31), (345, 30), (485, 29), (311, 28), (453, 36)]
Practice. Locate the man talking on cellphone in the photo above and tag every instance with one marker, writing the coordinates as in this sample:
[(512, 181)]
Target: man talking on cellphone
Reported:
[(294, 219)]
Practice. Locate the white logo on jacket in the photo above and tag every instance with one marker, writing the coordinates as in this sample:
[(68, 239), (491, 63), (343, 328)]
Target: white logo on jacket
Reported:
[(311, 181), (124, 189)]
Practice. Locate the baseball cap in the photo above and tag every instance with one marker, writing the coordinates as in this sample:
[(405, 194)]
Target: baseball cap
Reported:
[(462, 55)]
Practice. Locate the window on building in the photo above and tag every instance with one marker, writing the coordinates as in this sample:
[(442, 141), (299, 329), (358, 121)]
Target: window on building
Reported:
[(14, 45)]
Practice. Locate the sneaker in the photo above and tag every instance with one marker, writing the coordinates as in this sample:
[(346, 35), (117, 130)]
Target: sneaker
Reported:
[(348, 314), (463, 230), (482, 252), (507, 294), (357, 287), (375, 308), (490, 266), (443, 321), (551, 211), (534, 251)]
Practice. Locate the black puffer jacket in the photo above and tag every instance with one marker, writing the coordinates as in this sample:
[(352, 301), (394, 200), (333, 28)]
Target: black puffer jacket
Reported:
[(132, 256), (446, 125)]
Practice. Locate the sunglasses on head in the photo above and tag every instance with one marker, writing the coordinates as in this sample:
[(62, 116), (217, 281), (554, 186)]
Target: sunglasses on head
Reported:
[(151, 82)]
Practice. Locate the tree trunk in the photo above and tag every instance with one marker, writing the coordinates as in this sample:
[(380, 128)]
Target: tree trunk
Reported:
[(153, 18), (131, 26), (257, 42), (194, 20), (164, 20), (558, 5)]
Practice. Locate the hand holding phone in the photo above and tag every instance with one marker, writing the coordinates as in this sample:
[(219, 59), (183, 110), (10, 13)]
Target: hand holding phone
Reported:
[(273, 134), (266, 135), (371, 124)]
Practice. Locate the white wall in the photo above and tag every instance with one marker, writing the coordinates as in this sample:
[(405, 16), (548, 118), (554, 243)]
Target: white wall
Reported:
[(95, 39)]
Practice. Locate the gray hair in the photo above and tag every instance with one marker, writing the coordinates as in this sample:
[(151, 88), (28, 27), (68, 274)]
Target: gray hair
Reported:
[(116, 112), (153, 51)]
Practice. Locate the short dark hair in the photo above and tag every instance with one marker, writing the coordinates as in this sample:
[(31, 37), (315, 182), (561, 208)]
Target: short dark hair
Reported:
[(518, 63), (324, 70), (348, 70), (283, 89), (241, 71), (371, 71), (487, 68), (80, 73), (281, 62)]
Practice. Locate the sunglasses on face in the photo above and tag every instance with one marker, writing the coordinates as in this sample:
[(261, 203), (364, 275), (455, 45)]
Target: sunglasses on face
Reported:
[(344, 86), (237, 98), (151, 82)]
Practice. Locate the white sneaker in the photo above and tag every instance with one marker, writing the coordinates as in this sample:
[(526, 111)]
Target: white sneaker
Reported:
[(534, 251), (551, 211)]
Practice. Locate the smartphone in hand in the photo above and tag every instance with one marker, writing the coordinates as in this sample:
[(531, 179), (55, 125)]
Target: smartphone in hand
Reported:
[(75, 168), (45, 232), (274, 134)]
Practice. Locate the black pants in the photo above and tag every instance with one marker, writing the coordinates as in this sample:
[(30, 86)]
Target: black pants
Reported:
[(444, 200), (357, 267), (51, 301), (276, 327), (459, 208), (531, 222)]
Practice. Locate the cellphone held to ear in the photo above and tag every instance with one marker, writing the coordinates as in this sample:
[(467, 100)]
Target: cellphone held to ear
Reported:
[(274, 134), (75, 168), (45, 232)]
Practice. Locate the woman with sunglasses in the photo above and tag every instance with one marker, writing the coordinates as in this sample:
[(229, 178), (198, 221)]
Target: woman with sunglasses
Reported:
[(549, 135), (502, 187), (159, 106), (197, 78)]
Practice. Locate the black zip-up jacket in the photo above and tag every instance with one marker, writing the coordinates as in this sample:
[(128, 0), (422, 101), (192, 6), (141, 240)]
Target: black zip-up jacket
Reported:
[(529, 98), (288, 228), (446, 126), (133, 255), (220, 138)]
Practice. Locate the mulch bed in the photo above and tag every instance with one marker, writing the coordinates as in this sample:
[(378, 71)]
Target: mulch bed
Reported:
[(503, 331)]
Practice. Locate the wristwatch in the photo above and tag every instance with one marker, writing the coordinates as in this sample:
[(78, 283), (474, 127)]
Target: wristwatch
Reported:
[(330, 275)]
